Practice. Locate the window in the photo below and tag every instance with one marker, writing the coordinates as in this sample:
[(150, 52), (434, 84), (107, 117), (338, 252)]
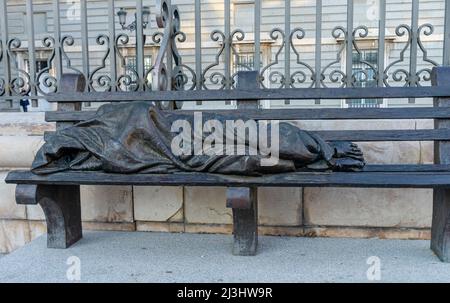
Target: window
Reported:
[(365, 76), (244, 12), (40, 65), (131, 67), (39, 22), (244, 61)]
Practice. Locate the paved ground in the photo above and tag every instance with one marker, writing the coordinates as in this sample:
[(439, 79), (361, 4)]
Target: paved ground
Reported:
[(155, 257)]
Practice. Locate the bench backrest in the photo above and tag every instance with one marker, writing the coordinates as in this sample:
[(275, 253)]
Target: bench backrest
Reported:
[(69, 105)]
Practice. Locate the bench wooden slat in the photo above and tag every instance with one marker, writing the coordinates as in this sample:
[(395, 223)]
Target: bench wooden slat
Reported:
[(256, 94), (294, 114), (301, 179), (375, 135), (385, 135)]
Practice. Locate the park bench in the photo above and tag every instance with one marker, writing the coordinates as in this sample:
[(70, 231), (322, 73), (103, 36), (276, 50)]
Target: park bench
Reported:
[(59, 193)]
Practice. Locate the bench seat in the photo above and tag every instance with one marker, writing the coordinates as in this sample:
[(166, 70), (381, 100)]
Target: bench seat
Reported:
[(377, 176)]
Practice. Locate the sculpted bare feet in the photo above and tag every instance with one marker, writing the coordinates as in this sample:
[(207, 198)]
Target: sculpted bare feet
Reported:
[(347, 156), (344, 149)]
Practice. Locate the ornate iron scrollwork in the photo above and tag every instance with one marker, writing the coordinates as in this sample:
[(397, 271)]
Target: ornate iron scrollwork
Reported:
[(300, 76), (275, 77), (44, 79), (400, 74), (125, 80), (20, 85), (179, 77), (69, 41), (362, 31), (336, 75), (2, 80), (102, 81), (425, 73), (216, 77), (168, 71)]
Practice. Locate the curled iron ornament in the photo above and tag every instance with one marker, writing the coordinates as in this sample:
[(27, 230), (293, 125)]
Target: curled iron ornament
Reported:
[(216, 77), (300, 76), (240, 36), (2, 80), (125, 80), (400, 74), (21, 84), (44, 79), (275, 77), (424, 74), (179, 76), (156, 37), (164, 19), (68, 41), (103, 81), (336, 75), (362, 31)]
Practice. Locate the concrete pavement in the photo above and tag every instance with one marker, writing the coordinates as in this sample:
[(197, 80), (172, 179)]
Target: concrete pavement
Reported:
[(159, 257)]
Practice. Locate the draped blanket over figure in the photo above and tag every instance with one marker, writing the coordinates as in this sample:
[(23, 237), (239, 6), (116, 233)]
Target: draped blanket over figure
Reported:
[(136, 137)]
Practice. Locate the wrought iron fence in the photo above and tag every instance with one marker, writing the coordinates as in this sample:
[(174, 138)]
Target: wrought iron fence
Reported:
[(284, 67)]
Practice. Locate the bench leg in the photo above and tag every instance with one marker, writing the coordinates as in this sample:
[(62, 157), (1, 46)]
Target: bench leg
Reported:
[(244, 202), (440, 230), (61, 206)]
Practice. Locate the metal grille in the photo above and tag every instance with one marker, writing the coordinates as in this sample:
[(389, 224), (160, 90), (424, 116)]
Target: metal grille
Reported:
[(289, 65)]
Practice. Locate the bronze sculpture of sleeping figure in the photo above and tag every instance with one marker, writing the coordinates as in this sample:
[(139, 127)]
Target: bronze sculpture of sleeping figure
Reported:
[(137, 137)]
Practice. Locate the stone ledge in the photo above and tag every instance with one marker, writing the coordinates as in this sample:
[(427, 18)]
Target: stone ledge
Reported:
[(109, 226), (300, 231), (24, 124), (20, 151)]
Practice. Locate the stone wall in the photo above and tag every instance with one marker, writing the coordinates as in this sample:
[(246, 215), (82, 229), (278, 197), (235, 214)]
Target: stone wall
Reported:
[(328, 212)]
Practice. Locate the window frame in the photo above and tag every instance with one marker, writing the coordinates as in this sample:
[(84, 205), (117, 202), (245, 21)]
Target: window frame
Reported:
[(366, 44)]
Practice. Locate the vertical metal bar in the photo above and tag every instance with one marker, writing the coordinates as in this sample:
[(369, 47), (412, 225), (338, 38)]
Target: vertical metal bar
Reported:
[(446, 56), (112, 44), (318, 48), (198, 43), (349, 44), (140, 46), (287, 45), (4, 33), (84, 41), (31, 47), (414, 45), (228, 42), (169, 56), (381, 42), (257, 34), (57, 32)]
